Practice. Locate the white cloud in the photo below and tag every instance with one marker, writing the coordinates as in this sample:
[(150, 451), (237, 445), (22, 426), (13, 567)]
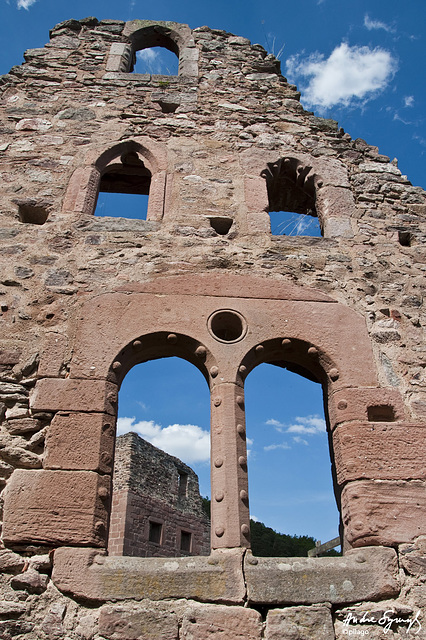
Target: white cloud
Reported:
[(300, 440), (272, 447), (185, 441), (275, 423), (408, 101), (303, 425), (348, 75), (25, 4), (308, 425), (377, 24)]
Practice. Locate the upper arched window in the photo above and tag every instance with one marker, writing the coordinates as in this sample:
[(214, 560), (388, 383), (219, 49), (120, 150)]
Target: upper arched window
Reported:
[(150, 38)]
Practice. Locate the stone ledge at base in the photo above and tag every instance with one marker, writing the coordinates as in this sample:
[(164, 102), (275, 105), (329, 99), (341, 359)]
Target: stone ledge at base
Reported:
[(370, 573), (85, 573)]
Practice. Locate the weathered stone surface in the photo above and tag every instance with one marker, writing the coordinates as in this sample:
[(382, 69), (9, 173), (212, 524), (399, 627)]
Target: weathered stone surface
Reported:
[(355, 404), (10, 561), (383, 512), (11, 608), (221, 623), (31, 581), (23, 425), (80, 441), (57, 394), (413, 557), (300, 623), (379, 450), (56, 507), (136, 622), (85, 573), (225, 140), (369, 573)]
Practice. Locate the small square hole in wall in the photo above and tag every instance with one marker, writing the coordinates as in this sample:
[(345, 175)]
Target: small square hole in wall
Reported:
[(155, 532), (32, 214), (381, 413), (405, 238)]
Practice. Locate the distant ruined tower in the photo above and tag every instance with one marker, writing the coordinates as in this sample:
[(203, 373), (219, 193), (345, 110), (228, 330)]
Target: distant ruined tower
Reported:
[(83, 299), (156, 507)]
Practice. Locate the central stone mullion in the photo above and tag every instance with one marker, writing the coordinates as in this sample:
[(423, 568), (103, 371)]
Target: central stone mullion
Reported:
[(230, 521)]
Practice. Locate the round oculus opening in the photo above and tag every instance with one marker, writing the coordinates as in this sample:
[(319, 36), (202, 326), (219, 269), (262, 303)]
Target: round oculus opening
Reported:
[(227, 326)]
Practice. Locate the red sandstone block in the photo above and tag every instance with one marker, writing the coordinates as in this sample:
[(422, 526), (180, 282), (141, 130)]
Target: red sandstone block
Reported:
[(53, 355), (379, 451), (383, 512), (203, 621), (365, 404), (80, 441), (256, 194), (73, 394), (56, 507)]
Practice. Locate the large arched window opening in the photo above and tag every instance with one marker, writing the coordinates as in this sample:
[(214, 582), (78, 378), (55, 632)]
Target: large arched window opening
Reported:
[(292, 199), (161, 462), (290, 482)]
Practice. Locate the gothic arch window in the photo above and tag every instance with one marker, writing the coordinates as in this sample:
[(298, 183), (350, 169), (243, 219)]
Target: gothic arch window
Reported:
[(128, 178), (292, 206), (129, 168)]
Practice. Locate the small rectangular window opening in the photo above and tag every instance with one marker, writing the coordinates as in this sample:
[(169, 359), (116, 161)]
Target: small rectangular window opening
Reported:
[(155, 532), (185, 541), (405, 238), (183, 484)]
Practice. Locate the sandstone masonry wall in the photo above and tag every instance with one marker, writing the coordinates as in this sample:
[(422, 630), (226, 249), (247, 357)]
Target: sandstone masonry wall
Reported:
[(84, 298)]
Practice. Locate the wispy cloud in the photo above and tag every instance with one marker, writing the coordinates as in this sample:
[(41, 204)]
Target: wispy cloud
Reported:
[(188, 442), (408, 101), (306, 426), (377, 24), (25, 4), (272, 447), (350, 75)]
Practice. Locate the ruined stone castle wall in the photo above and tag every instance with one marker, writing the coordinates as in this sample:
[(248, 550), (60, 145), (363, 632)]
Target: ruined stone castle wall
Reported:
[(84, 298), (156, 504)]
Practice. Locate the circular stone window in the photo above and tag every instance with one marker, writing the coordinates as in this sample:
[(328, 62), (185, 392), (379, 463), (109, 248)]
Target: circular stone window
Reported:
[(227, 326)]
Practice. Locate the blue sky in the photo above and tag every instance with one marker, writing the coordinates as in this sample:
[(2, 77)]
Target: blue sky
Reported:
[(361, 63), (379, 45)]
